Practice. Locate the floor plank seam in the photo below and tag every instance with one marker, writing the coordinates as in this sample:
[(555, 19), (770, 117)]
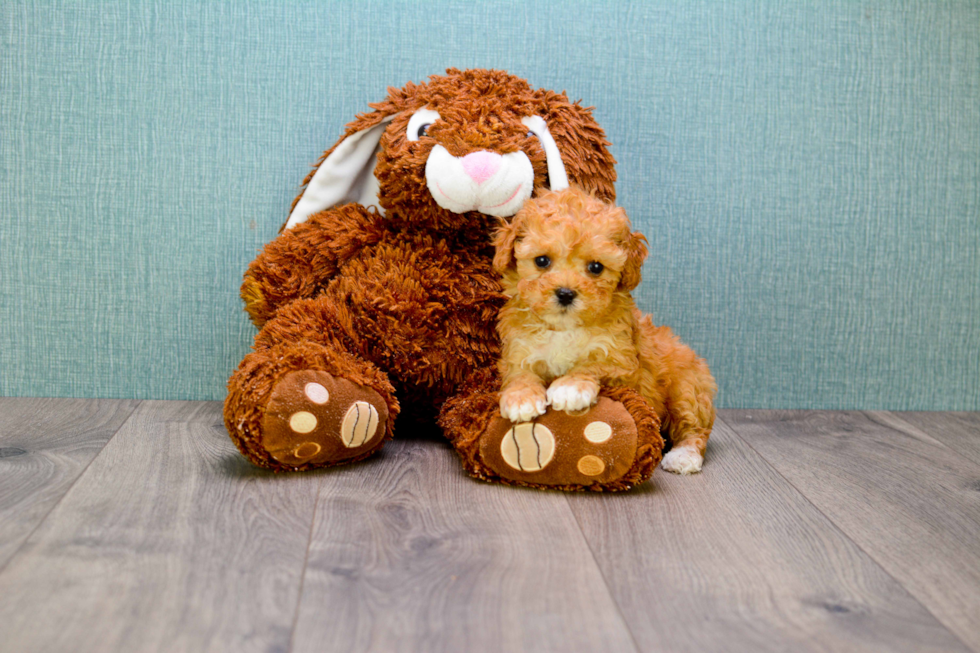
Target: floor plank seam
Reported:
[(16, 553), (306, 560), (605, 581), (844, 534), (898, 415)]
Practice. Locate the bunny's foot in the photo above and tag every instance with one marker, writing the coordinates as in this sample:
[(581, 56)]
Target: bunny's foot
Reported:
[(586, 447), (611, 446), (314, 418), (303, 405)]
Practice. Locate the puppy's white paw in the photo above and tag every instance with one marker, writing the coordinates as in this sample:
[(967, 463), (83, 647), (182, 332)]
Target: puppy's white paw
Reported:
[(522, 406), (572, 394), (683, 460)]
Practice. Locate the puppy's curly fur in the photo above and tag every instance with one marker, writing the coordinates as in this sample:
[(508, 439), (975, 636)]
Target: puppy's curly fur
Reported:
[(569, 262)]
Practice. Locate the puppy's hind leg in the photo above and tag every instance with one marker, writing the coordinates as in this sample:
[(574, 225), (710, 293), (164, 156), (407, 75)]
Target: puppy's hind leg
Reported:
[(690, 417)]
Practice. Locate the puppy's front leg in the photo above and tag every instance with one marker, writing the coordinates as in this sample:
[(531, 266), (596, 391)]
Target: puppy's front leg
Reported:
[(523, 398), (576, 391)]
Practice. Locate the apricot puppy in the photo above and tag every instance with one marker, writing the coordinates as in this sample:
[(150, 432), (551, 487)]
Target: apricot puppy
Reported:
[(569, 262)]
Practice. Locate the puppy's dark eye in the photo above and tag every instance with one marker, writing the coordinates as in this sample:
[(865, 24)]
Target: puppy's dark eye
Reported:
[(595, 268), (423, 130), (542, 262)]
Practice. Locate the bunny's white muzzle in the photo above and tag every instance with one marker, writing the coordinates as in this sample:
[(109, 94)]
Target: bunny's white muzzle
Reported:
[(484, 181)]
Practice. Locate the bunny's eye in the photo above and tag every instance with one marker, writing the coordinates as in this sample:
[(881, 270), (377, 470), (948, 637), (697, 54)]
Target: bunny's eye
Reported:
[(420, 122), (542, 262), (595, 268)]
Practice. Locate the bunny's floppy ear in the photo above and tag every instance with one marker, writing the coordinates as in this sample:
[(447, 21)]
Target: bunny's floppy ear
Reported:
[(635, 247), (345, 173), (583, 146)]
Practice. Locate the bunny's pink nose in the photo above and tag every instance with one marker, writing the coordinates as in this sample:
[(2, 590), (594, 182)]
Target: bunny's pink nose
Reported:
[(481, 165)]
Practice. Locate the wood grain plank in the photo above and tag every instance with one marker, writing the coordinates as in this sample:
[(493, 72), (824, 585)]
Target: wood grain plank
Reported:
[(909, 502), (416, 556), (735, 559), (45, 444), (959, 431), (170, 541)]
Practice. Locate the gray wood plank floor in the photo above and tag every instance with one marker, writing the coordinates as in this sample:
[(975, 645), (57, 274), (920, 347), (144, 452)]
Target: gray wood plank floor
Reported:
[(128, 526), (905, 498), (956, 430), (735, 559), (45, 445), (413, 554)]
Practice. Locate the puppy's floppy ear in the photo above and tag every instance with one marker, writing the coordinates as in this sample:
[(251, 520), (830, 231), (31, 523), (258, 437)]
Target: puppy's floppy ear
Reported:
[(635, 246), (345, 172), (504, 239)]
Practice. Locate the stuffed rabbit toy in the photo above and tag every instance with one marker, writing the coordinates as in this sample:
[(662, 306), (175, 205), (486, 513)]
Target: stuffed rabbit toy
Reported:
[(379, 294)]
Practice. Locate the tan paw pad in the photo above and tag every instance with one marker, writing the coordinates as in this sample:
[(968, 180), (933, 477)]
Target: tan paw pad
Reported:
[(591, 465), (306, 450), (529, 447), (316, 393), (302, 422), (360, 424), (597, 432)]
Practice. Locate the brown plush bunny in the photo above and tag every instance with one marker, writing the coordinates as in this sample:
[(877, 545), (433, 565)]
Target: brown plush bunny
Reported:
[(380, 291)]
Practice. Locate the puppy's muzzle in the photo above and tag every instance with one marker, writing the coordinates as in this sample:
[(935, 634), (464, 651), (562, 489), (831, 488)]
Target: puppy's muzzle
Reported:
[(565, 296)]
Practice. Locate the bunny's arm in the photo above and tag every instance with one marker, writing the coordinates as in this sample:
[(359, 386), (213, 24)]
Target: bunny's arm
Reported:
[(301, 261)]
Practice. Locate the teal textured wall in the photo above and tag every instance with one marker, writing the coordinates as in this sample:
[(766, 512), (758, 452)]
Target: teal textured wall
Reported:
[(808, 174)]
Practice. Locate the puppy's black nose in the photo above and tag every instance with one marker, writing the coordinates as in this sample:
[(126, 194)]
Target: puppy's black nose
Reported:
[(565, 296)]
